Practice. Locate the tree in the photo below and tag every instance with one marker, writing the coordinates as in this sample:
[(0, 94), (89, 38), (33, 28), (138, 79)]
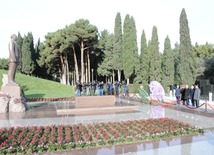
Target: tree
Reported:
[(118, 46), (106, 67), (4, 64), (176, 62), (155, 61), (28, 61), (143, 73), (168, 68), (87, 35), (54, 56), (71, 40), (130, 50), (187, 70), (19, 43)]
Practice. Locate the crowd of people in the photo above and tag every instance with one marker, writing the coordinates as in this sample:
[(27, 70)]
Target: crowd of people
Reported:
[(188, 96), (100, 88)]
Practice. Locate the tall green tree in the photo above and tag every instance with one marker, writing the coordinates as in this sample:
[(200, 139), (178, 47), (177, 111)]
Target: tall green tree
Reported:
[(176, 61), (71, 41), (187, 70), (168, 67), (155, 61), (20, 42), (87, 35), (118, 46), (38, 70), (143, 73), (28, 59), (130, 50), (106, 67), (54, 56)]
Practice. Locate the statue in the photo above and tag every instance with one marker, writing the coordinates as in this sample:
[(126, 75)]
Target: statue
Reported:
[(14, 56)]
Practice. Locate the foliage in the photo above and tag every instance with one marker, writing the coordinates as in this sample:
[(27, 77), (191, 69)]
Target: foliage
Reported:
[(187, 68), (155, 59), (87, 35), (203, 50), (19, 43), (168, 67), (4, 64), (118, 46), (29, 140), (130, 50), (27, 59), (106, 67), (143, 71)]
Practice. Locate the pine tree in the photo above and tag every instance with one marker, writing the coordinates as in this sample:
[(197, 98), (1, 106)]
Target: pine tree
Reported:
[(155, 63), (167, 64), (118, 46), (187, 70)]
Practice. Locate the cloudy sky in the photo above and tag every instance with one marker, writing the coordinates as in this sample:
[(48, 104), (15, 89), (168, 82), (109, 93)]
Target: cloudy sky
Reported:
[(43, 16)]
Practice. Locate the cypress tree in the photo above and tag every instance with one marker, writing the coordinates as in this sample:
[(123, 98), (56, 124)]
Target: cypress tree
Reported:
[(129, 47), (187, 67), (155, 63), (28, 64), (118, 46), (143, 74), (167, 64)]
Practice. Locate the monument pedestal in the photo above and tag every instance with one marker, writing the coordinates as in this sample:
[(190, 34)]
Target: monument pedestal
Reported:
[(16, 102), (13, 90)]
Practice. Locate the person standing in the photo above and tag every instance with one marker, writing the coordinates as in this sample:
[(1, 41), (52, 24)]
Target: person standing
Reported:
[(14, 58), (84, 87), (94, 85), (90, 88), (178, 94), (187, 95), (78, 88), (192, 91), (197, 95)]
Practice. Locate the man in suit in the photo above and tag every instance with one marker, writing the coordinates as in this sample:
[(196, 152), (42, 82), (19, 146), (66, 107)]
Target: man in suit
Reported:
[(197, 95), (14, 57)]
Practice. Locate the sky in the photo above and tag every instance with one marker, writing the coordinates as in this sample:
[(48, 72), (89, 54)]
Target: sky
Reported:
[(43, 16)]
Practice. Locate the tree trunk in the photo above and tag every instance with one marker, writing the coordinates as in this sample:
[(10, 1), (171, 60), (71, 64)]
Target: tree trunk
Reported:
[(127, 81), (119, 75), (76, 64), (63, 70), (82, 61), (89, 66), (113, 77), (67, 71)]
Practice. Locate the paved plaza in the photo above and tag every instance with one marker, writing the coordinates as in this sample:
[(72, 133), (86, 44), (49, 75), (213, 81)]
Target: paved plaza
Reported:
[(45, 113)]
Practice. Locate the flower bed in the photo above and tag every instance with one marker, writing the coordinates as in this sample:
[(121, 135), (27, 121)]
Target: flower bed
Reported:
[(50, 99), (68, 137)]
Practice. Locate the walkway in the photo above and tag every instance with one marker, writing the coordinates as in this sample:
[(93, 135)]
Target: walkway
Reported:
[(44, 113)]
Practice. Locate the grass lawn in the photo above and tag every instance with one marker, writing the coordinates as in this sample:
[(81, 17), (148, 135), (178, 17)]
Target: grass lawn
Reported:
[(36, 87)]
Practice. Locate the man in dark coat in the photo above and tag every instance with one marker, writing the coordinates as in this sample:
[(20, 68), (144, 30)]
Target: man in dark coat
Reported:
[(187, 95), (197, 95)]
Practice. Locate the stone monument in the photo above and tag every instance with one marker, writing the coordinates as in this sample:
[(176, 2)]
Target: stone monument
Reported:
[(10, 89)]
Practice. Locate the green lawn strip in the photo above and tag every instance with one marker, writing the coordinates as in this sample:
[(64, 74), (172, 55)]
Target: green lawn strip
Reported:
[(25, 140), (40, 88)]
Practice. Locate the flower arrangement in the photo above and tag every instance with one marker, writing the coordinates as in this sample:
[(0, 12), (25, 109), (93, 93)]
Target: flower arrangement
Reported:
[(68, 137), (4, 97), (4, 102)]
